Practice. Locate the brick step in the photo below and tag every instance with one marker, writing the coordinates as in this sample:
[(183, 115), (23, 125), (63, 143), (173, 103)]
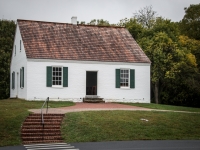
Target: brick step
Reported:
[(45, 120), (33, 131), (39, 123), (35, 114), (39, 130), (39, 116), (92, 101), (37, 138), (41, 134), (43, 141), (41, 127)]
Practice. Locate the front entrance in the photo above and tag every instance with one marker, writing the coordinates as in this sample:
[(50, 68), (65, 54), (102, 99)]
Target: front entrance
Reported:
[(91, 83)]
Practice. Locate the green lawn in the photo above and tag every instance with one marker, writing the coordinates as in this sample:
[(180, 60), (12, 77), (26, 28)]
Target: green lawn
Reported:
[(127, 125), (104, 125), (164, 107), (12, 114)]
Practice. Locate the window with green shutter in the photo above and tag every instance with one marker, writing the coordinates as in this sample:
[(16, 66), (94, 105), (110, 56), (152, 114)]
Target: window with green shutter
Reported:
[(125, 78), (57, 76)]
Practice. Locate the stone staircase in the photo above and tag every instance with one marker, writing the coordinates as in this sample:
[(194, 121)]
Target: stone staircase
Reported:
[(33, 131)]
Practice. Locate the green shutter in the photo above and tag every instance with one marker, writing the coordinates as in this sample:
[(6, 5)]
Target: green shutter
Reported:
[(20, 78), (49, 76), (13, 80), (65, 76), (23, 77), (117, 78), (132, 78)]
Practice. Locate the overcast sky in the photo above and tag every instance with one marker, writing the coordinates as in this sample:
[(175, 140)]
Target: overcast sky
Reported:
[(86, 10)]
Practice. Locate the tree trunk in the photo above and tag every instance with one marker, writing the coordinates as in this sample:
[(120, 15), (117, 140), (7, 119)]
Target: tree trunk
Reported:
[(156, 92)]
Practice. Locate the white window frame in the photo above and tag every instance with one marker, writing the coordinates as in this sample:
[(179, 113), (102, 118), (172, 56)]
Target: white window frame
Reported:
[(58, 76), (125, 87)]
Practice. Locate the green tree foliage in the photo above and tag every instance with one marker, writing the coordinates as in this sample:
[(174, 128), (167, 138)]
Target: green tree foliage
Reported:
[(190, 24), (99, 22), (184, 89), (7, 32), (133, 26), (175, 77)]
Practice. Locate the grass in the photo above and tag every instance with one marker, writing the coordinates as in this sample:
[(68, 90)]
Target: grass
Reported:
[(12, 114), (104, 125), (127, 125), (164, 107)]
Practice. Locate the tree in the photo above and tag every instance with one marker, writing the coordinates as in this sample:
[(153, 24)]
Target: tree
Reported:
[(133, 27), (190, 24), (184, 89), (163, 53), (99, 22), (146, 16), (7, 32)]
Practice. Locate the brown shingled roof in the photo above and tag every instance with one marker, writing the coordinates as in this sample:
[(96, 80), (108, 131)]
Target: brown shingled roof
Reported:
[(49, 40)]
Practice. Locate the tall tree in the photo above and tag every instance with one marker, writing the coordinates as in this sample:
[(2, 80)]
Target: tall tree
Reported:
[(163, 54), (7, 32), (190, 24), (146, 16)]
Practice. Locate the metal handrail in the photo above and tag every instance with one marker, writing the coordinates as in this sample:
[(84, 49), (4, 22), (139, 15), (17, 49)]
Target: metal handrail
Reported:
[(42, 117)]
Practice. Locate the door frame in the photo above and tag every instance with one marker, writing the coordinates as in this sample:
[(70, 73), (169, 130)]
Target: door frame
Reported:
[(86, 82)]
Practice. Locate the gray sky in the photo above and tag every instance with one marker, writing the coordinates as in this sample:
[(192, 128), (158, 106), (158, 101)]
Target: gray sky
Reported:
[(86, 10)]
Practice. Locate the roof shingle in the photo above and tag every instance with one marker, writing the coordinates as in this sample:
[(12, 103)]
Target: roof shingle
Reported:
[(48, 40)]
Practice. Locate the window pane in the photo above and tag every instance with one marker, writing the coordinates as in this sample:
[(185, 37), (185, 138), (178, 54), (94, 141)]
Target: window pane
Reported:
[(54, 78), (56, 73), (56, 69), (53, 68), (54, 82), (59, 82), (59, 78), (60, 73), (59, 69)]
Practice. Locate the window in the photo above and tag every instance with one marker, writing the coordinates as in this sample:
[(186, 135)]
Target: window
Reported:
[(125, 78), (22, 77), (57, 76), (13, 80), (20, 45)]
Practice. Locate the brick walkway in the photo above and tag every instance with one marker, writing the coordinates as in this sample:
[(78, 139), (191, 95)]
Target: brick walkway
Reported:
[(91, 107)]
